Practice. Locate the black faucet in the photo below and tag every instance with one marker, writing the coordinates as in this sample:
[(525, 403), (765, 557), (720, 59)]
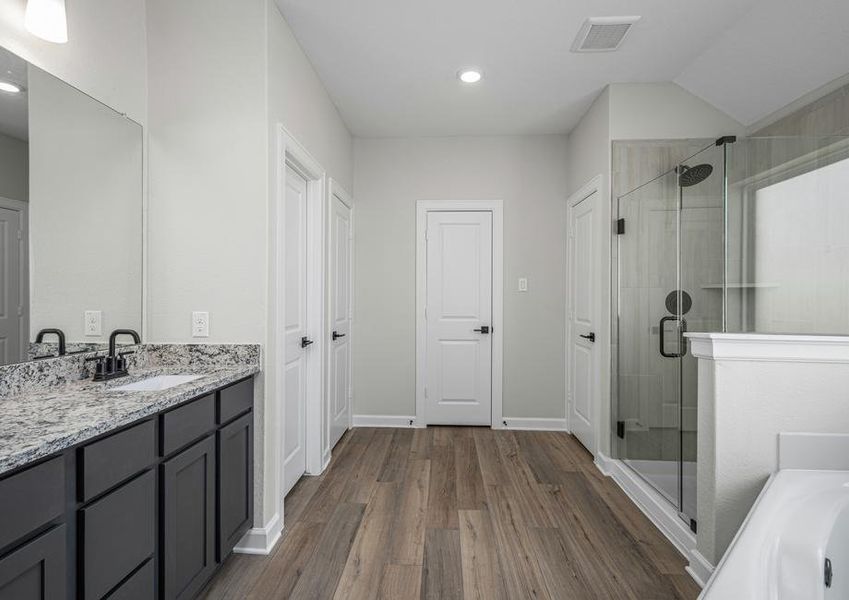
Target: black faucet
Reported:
[(114, 364), (39, 338)]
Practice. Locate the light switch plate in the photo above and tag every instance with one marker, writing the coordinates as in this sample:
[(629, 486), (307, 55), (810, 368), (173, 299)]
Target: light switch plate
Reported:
[(93, 322), (200, 324), (523, 284)]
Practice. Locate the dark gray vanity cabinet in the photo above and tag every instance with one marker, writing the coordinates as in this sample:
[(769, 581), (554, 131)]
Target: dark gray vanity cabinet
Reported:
[(36, 570), (188, 520), (235, 482), (145, 512)]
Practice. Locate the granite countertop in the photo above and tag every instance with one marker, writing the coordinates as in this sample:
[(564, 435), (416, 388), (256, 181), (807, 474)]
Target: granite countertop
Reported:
[(41, 422)]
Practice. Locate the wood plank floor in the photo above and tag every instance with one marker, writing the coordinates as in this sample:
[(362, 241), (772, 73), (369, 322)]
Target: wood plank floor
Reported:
[(457, 512)]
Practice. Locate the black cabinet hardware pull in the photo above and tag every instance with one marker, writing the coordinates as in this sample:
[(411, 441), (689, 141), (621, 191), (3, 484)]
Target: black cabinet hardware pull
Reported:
[(484, 329)]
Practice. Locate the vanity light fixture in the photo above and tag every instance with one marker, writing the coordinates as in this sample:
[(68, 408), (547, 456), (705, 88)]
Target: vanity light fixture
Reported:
[(10, 88), (469, 75), (46, 19)]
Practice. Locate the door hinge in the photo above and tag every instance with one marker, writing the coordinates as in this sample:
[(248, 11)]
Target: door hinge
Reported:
[(425, 393), (425, 313), (427, 235), (693, 526), (620, 226), (620, 429)]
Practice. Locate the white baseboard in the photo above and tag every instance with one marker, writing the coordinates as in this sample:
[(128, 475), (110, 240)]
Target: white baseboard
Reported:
[(534, 424), (385, 421), (660, 512), (699, 568), (261, 540)]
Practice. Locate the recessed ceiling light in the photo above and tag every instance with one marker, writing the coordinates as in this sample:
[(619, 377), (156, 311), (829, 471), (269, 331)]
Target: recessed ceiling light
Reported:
[(469, 75), (8, 86), (46, 19)]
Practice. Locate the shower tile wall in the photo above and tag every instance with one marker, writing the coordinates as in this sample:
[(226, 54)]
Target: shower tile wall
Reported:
[(649, 402)]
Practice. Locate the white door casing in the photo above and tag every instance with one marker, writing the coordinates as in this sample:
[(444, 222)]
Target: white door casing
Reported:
[(582, 323), (14, 334), (459, 318), (295, 328), (339, 355)]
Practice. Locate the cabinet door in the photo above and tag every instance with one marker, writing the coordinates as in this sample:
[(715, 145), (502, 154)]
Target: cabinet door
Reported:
[(188, 513), (36, 570), (235, 482)]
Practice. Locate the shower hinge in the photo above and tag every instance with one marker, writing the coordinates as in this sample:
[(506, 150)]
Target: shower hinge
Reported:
[(693, 525), (726, 139), (620, 226), (620, 429)]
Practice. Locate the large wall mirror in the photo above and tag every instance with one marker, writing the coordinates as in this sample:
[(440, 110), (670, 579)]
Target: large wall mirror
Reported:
[(70, 216)]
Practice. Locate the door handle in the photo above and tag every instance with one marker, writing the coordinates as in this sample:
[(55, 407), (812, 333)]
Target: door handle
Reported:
[(484, 329), (305, 341), (590, 336), (336, 336), (681, 341)]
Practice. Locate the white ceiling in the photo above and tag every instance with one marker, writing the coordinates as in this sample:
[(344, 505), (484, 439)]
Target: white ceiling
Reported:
[(390, 65), (13, 107)]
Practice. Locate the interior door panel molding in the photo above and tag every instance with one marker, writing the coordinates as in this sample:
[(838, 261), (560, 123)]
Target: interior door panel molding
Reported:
[(291, 154), (495, 207)]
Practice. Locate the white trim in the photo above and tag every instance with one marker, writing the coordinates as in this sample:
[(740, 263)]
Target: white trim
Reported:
[(497, 209), (593, 186), (699, 568), (23, 271), (770, 348), (660, 512), (261, 540), (531, 424), (386, 421), (290, 152)]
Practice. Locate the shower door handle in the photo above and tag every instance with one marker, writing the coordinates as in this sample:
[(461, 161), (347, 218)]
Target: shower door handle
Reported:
[(681, 342)]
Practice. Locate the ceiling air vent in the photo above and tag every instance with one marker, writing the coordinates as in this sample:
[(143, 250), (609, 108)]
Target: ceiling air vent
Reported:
[(602, 34)]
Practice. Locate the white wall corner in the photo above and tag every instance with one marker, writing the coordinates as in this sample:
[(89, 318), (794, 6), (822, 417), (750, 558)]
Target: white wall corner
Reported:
[(261, 540)]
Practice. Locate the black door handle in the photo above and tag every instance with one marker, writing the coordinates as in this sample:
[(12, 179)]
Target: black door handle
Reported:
[(336, 336), (484, 329), (305, 341), (682, 343), (590, 336)]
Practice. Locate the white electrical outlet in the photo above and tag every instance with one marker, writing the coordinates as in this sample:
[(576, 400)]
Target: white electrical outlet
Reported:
[(93, 322), (523, 284), (200, 324)]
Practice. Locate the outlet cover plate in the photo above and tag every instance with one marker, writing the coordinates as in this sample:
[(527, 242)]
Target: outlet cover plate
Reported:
[(200, 324), (93, 322)]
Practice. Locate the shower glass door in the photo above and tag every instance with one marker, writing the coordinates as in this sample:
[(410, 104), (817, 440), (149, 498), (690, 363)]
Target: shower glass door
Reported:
[(649, 334), (671, 279)]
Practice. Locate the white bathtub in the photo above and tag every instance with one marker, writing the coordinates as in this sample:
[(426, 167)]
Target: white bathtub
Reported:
[(800, 519)]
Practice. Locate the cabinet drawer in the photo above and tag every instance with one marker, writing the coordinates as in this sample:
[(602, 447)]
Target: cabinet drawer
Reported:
[(234, 400), (111, 460), (187, 423), (138, 587), (30, 499), (36, 570), (118, 534)]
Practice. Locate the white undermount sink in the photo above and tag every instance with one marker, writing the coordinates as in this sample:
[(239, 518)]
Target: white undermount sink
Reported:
[(156, 384)]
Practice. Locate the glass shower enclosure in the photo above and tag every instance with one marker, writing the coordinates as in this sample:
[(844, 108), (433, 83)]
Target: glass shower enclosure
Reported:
[(714, 245)]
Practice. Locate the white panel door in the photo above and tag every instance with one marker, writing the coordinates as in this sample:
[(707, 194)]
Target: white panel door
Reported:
[(296, 349), (459, 318), (340, 320), (11, 310), (582, 317)]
